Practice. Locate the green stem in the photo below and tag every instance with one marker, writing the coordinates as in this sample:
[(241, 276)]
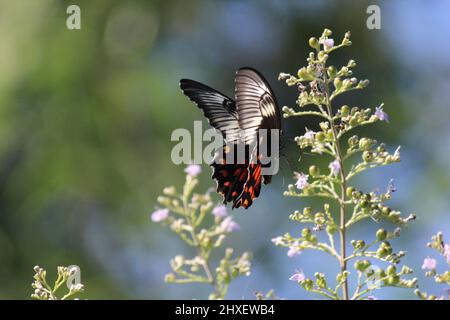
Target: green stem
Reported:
[(339, 158)]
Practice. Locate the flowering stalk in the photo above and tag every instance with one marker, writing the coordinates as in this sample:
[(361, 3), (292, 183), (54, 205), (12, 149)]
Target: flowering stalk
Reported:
[(189, 215), (44, 291), (430, 265), (319, 84)]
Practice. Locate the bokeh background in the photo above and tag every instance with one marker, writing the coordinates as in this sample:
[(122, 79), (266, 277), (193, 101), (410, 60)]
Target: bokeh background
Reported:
[(86, 118)]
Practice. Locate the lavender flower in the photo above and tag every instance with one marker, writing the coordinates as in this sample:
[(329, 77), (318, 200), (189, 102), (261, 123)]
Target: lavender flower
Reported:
[(309, 134), (298, 276), (193, 170), (327, 43), (277, 241), (380, 114), (294, 250), (220, 211), (429, 263), (160, 215), (335, 167), (447, 252), (228, 225), (302, 180)]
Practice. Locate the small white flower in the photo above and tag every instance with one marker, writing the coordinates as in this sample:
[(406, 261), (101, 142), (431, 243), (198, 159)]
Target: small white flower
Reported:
[(298, 276), (193, 170), (277, 241), (294, 250), (160, 215), (335, 167), (327, 43), (220, 211), (447, 252), (429, 263), (309, 134), (302, 180), (380, 114), (228, 225)]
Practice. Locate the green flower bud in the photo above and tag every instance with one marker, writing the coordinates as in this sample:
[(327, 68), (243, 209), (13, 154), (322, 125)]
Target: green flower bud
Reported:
[(381, 234), (307, 211), (331, 229), (356, 194), (337, 83), (329, 135), (349, 191), (314, 171), (345, 109), (351, 64), (306, 232), (322, 56), (303, 73), (367, 156), (327, 32), (385, 210), (381, 253), (170, 277), (365, 144), (364, 204), (391, 270), (314, 43), (319, 218), (320, 136), (393, 280), (362, 265), (353, 121), (320, 280), (307, 284), (360, 244), (353, 141), (331, 71), (346, 83)]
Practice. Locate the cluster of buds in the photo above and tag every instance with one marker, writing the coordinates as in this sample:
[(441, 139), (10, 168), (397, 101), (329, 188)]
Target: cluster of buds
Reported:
[(43, 291), (204, 226), (430, 266), (372, 205), (309, 79)]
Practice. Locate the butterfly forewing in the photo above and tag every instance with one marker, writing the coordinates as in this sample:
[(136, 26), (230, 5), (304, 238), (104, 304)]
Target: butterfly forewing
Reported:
[(218, 108)]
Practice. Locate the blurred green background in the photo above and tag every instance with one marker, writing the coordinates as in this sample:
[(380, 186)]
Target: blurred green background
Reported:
[(86, 117)]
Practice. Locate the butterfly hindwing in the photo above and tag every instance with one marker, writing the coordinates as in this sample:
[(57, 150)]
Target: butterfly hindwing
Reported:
[(252, 187)]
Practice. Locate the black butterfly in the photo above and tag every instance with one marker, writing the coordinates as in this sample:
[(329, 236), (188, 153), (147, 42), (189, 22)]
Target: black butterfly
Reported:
[(239, 121)]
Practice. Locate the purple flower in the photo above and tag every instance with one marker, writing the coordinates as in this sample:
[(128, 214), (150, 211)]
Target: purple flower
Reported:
[(302, 180), (220, 211), (429, 263), (335, 167), (447, 252), (160, 215), (294, 250), (309, 134), (380, 114), (228, 225), (371, 297), (327, 43), (193, 170), (298, 276), (277, 240)]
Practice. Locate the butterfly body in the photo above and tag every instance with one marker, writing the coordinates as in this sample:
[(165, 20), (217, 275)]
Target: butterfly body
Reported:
[(240, 121)]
